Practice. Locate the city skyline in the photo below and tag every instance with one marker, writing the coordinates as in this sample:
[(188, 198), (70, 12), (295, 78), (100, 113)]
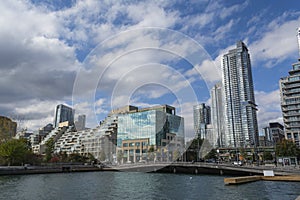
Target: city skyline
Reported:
[(42, 57)]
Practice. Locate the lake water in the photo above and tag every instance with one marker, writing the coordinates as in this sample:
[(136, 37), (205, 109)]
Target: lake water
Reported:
[(134, 185)]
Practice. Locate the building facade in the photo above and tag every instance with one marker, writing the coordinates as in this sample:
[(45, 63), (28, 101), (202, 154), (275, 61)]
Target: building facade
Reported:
[(290, 100), (217, 114), (273, 133), (63, 113), (80, 123), (8, 128), (241, 129), (156, 127), (201, 114), (290, 103)]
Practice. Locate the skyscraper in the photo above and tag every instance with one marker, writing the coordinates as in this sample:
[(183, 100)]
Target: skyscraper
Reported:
[(298, 36), (63, 113), (201, 119), (217, 114), (241, 128), (290, 100), (80, 123)]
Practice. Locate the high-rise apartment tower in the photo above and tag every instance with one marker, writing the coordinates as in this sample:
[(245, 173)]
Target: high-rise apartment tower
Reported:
[(241, 128)]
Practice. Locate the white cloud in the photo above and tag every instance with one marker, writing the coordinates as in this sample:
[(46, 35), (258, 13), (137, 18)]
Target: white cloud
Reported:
[(268, 107), (277, 43)]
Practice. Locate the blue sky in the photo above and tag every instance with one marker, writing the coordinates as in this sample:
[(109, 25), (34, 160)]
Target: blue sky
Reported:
[(98, 55)]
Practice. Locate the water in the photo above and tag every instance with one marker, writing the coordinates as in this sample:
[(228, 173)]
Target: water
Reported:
[(134, 185)]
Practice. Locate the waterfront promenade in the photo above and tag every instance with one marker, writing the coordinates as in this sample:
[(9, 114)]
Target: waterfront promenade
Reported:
[(208, 168), (178, 167)]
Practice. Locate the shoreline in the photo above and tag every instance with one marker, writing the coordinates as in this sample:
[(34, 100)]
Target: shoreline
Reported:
[(182, 168)]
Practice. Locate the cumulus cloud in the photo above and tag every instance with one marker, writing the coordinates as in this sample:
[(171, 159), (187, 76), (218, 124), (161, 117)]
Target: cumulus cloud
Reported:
[(277, 43), (43, 46), (269, 109)]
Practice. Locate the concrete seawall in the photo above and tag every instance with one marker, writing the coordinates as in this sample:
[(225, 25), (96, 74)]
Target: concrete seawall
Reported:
[(187, 168)]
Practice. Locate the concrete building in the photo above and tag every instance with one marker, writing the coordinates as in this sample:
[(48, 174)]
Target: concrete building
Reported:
[(217, 114), (273, 133), (63, 113), (241, 129), (45, 131), (80, 123), (8, 128), (201, 114), (290, 100)]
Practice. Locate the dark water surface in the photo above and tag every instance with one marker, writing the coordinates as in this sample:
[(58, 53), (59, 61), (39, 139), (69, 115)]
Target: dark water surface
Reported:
[(134, 185)]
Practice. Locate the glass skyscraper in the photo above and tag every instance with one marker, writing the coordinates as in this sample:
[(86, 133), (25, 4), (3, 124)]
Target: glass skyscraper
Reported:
[(63, 113), (217, 114), (201, 114), (241, 128)]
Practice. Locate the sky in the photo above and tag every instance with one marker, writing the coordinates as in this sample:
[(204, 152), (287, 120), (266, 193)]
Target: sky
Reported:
[(101, 55)]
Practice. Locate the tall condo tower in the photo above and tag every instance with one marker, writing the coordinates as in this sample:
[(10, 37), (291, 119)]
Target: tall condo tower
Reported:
[(290, 100), (241, 128), (298, 36), (217, 114)]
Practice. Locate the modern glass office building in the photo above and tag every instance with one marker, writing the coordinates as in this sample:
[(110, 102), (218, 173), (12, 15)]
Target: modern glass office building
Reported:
[(63, 113), (201, 114), (151, 124), (156, 127), (241, 128)]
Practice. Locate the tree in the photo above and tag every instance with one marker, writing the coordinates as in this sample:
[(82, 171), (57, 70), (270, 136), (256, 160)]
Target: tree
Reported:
[(286, 148), (49, 149), (267, 155), (194, 148), (14, 152), (211, 155)]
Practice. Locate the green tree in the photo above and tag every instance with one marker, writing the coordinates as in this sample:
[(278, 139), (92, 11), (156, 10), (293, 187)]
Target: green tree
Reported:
[(286, 148), (212, 154), (14, 152), (151, 149), (267, 155), (194, 147), (49, 149)]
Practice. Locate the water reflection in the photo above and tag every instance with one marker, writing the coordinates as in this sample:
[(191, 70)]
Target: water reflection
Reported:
[(113, 185)]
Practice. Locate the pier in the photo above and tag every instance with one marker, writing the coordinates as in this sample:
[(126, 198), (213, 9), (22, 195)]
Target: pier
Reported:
[(248, 179)]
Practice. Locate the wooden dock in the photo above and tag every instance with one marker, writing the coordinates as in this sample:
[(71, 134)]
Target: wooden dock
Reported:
[(239, 180), (247, 179)]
